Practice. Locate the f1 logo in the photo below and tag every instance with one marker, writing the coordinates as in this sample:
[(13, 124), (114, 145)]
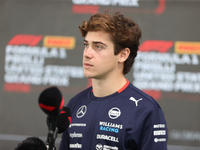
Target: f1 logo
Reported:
[(153, 45), (25, 39)]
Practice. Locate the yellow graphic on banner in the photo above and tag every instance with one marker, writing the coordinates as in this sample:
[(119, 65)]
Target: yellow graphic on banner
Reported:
[(187, 47), (67, 42)]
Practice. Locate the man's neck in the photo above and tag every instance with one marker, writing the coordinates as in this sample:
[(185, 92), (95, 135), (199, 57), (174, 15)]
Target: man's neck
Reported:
[(102, 88)]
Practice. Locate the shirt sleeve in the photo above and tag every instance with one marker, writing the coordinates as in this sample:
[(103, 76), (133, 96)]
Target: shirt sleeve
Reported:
[(152, 131)]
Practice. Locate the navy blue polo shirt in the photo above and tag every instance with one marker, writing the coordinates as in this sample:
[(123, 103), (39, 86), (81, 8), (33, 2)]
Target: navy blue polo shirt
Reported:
[(126, 120)]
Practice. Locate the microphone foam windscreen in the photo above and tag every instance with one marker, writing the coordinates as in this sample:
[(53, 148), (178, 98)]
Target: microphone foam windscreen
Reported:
[(51, 101)]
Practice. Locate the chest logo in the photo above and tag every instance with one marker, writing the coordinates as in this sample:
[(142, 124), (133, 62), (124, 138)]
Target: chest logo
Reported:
[(114, 113), (134, 100), (99, 146), (81, 111)]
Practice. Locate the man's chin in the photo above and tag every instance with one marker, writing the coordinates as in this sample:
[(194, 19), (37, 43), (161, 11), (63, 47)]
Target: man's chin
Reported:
[(92, 75), (88, 75)]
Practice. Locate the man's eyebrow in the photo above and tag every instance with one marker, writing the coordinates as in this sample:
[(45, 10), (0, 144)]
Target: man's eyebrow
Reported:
[(85, 41), (96, 42)]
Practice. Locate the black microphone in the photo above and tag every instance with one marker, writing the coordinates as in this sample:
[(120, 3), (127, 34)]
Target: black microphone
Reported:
[(51, 102), (64, 120)]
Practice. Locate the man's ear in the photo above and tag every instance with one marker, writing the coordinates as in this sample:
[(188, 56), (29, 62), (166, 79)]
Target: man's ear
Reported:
[(123, 55)]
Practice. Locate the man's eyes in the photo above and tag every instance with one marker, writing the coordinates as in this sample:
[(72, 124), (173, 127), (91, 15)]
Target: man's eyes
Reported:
[(86, 45), (95, 46), (98, 47)]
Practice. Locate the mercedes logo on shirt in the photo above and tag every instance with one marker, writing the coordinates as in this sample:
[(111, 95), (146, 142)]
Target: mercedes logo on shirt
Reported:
[(81, 111)]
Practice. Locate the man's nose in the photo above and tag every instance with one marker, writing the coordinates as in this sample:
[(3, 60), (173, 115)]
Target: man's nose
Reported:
[(88, 52)]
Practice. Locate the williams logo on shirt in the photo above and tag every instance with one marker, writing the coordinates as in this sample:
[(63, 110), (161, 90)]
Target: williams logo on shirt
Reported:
[(110, 127)]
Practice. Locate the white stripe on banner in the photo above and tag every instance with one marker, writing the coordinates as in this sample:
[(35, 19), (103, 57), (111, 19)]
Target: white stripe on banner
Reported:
[(177, 147)]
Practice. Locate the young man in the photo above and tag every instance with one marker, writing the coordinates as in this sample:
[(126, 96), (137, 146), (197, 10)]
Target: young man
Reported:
[(113, 114)]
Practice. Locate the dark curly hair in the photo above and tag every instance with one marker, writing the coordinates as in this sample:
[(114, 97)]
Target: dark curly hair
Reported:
[(31, 143), (124, 33)]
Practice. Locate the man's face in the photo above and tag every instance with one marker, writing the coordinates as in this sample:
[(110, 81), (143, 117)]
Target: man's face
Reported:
[(99, 61)]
